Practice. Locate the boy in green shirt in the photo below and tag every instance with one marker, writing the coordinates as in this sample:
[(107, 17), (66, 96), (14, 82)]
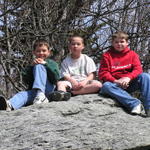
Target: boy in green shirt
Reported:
[(40, 76)]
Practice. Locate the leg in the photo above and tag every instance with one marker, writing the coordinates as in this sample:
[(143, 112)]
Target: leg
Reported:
[(40, 77), (143, 81), (27, 97), (49, 88), (61, 94), (40, 80), (92, 87), (22, 99), (121, 95), (63, 85), (41, 84)]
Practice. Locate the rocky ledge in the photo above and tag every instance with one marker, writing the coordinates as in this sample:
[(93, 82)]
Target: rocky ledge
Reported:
[(87, 122)]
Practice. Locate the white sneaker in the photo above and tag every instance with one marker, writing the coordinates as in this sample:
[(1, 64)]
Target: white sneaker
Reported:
[(137, 109), (41, 98)]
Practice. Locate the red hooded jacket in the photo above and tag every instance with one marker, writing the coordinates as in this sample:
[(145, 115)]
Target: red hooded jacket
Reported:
[(115, 65)]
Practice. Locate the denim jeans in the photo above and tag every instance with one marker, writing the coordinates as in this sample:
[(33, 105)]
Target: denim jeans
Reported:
[(141, 83), (41, 82)]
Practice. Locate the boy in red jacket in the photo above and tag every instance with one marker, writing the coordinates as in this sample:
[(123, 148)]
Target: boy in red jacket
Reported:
[(121, 71)]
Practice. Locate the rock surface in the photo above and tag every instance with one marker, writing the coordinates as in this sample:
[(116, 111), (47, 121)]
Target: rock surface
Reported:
[(88, 122)]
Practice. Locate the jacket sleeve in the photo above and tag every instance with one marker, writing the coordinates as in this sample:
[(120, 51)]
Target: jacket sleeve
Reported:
[(137, 67), (52, 71), (104, 73)]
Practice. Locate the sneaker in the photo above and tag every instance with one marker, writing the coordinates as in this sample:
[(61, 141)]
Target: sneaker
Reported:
[(148, 113), (40, 99), (59, 96), (137, 109), (4, 105)]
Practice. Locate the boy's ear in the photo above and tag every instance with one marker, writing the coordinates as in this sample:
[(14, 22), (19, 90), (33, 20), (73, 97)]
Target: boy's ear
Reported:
[(83, 47), (128, 42), (50, 52)]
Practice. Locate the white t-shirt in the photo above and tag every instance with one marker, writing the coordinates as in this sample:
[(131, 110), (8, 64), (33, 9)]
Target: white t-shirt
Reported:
[(79, 68)]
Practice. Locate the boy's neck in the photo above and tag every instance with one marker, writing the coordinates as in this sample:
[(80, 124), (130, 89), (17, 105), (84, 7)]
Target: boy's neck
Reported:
[(75, 56)]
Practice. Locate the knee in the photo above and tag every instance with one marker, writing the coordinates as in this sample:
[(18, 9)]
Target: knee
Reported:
[(39, 66), (95, 83), (98, 84), (61, 84), (106, 86), (144, 76)]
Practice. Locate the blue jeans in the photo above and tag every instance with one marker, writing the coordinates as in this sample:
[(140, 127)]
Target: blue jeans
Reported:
[(41, 82), (141, 83)]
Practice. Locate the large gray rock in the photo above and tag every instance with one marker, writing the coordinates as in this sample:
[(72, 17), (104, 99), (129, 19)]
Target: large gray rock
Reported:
[(88, 122)]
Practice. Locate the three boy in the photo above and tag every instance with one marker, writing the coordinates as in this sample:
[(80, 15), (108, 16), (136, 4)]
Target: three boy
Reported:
[(120, 71)]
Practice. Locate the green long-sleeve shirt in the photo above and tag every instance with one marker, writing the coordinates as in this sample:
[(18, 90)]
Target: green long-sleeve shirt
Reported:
[(52, 73)]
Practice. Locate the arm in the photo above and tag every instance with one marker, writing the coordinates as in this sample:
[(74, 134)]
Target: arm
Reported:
[(137, 68), (78, 85), (123, 82), (38, 61), (52, 71), (104, 73), (74, 83), (90, 70), (91, 76), (27, 73)]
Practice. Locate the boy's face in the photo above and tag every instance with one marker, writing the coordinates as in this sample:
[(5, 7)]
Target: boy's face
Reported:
[(76, 46), (41, 52), (119, 44)]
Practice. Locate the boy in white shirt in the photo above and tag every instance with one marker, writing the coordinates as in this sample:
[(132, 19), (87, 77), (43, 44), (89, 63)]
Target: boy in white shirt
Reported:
[(78, 73)]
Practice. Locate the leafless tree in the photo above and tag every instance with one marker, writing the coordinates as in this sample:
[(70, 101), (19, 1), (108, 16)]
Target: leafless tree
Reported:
[(23, 21)]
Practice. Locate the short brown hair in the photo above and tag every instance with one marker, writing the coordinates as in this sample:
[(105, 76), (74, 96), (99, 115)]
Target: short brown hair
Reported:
[(120, 34), (41, 42), (74, 36)]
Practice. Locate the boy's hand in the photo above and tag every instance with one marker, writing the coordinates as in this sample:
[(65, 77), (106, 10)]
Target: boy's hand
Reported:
[(82, 83), (123, 82), (75, 85), (38, 61)]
